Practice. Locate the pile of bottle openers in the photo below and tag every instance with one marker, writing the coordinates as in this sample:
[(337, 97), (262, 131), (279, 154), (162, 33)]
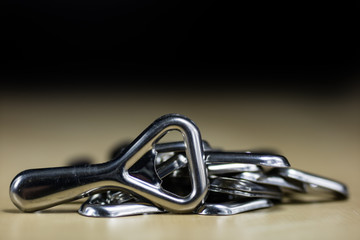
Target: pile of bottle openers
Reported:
[(147, 177)]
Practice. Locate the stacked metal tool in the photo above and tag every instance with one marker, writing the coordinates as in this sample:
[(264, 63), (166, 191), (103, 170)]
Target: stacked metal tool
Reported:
[(175, 177)]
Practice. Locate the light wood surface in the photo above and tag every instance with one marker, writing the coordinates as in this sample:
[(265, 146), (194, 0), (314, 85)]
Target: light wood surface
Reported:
[(317, 134)]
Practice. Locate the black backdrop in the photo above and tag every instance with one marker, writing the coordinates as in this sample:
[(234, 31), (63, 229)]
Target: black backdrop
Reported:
[(270, 43)]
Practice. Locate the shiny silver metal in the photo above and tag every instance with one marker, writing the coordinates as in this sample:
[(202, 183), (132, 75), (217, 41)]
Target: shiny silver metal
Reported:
[(244, 194), (262, 159), (172, 164), (177, 147), (147, 176), (231, 208), (132, 172), (244, 188), (226, 168), (116, 204), (118, 210), (213, 157), (262, 178), (219, 163), (224, 157), (313, 181), (178, 161), (243, 185)]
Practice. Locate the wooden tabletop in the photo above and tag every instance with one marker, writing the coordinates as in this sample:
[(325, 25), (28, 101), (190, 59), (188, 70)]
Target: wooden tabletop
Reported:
[(319, 134)]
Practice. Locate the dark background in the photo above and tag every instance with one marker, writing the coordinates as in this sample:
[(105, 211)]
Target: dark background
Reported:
[(286, 45)]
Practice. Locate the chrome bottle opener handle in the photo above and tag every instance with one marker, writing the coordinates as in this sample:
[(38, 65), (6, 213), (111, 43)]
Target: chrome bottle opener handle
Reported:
[(38, 189)]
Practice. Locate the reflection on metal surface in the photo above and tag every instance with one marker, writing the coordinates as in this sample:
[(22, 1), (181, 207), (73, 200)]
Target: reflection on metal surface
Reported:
[(232, 168), (38, 189), (262, 178), (231, 208), (118, 210), (313, 181), (177, 177)]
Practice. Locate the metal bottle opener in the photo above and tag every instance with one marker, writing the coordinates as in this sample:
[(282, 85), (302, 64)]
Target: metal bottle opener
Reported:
[(37, 189)]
